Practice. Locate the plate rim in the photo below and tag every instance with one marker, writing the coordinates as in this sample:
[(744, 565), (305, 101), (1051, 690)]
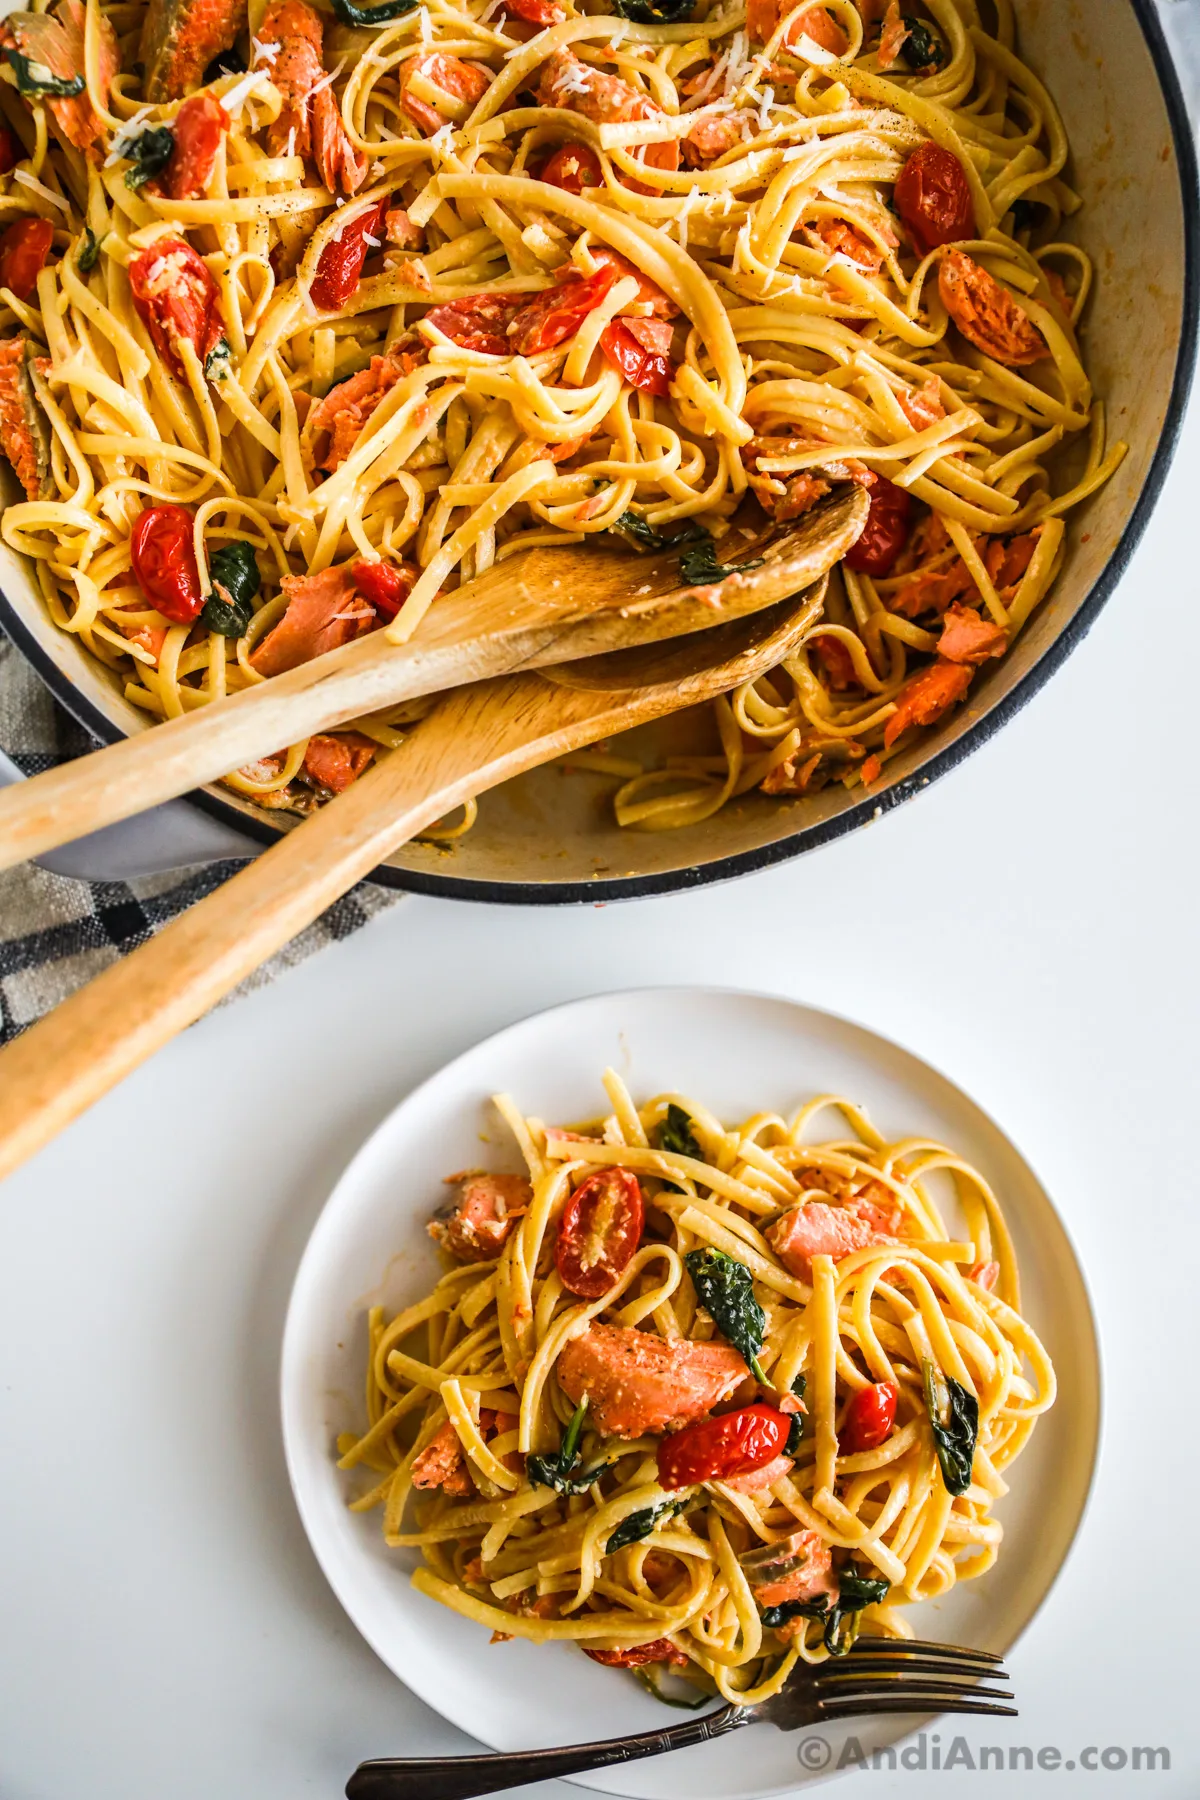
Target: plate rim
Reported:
[(1093, 1361)]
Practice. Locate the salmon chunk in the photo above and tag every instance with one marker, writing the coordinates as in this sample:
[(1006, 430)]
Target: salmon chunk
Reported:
[(24, 429), (798, 1568), (442, 1464), (816, 1229), (986, 313), (462, 83), (309, 122), (335, 760), (763, 17), (929, 694), (334, 423), (324, 611), (478, 1222), (55, 39), (179, 40), (759, 1480), (637, 1383), (570, 83), (967, 637)]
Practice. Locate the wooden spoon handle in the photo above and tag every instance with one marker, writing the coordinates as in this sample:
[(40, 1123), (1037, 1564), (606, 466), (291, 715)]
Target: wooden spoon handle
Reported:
[(477, 737)]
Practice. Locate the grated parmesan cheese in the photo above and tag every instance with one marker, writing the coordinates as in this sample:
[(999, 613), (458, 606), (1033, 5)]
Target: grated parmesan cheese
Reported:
[(38, 187), (122, 141)]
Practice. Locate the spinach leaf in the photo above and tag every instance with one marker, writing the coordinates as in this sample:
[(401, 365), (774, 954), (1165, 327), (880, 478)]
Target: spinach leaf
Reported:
[(923, 49), (149, 152), (796, 1428), (700, 568), (633, 525), (854, 1593), (559, 1472), (639, 1525), (655, 12), (38, 82), (236, 580), (225, 62), (726, 1291), (954, 1416), (1024, 214), (89, 251), (675, 1134), (217, 362), (350, 14)]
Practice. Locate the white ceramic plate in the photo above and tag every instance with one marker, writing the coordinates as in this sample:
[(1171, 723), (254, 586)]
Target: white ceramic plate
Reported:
[(738, 1053)]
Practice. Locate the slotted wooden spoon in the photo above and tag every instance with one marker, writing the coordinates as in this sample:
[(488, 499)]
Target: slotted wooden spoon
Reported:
[(546, 606), (475, 738)]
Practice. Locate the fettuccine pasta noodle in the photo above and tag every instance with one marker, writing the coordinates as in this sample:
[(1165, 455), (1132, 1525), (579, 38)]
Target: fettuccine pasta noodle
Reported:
[(373, 306), (550, 1453)]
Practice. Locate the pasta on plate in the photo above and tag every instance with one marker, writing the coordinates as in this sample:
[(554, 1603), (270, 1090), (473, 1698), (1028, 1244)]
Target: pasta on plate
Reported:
[(307, 316), (703, 1399)]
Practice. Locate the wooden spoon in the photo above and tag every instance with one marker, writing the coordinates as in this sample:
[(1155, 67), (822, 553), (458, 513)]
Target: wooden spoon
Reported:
[(475, 738), (543, 607)]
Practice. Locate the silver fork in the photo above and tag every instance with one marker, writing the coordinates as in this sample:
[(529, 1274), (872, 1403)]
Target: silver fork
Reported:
[(880, 1675)]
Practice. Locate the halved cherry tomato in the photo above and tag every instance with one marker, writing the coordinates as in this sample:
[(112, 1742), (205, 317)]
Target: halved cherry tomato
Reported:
[(385, 586), (557, 313), (341, 261), (176, 299), (642, 368), (869, 1418), (164, 561), (933, 198), (885, 533), (24, 248), (199, 126), (477, 321), (573, 167), (600, 1228), (636, 1657), (10, 150), (733, 1443)]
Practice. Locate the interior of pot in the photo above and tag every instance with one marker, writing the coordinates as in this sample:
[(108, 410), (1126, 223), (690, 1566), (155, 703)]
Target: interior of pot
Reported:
[(554, 828)]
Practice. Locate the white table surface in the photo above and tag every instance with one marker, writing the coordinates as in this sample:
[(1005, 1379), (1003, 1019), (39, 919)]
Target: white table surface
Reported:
[(1029, 927)]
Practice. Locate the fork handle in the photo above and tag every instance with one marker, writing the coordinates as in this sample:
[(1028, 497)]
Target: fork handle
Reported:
[(463, 1777)]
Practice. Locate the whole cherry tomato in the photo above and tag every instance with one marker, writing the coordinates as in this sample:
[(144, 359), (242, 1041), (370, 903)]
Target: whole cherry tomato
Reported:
[(199, 126), (638, 1655), (885, 532), (732, 1443), (600, 1228), (933, 198), (340, 264), (385, 586), (649, 370), (176, 299), (869, 1418), (558, 312), (573, 167), (24, 248), (164, 562), (11, 151)]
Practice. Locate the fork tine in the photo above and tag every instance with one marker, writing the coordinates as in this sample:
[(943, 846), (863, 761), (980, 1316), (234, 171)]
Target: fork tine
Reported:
[(857, 1664), (918, 1647), (831, 1710), (865, 1690)]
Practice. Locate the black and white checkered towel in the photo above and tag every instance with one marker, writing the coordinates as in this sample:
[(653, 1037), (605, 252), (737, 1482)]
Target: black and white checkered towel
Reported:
[(55, 933)]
